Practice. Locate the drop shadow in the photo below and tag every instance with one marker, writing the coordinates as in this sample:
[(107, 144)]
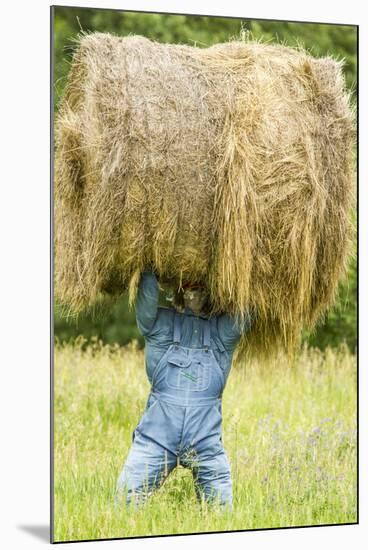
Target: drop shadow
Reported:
[(41, 532)]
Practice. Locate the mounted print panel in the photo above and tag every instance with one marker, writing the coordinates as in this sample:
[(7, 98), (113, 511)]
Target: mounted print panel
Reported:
[(205, 274)]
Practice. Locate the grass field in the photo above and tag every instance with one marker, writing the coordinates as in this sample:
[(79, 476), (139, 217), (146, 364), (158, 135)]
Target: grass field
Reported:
[(289, 432)]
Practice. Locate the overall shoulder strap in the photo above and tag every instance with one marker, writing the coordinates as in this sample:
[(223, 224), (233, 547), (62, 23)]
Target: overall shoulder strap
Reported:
[(218, 339), (177, 329), (206, 334)]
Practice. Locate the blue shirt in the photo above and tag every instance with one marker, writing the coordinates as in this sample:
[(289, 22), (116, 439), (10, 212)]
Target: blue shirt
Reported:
[(156, 324)]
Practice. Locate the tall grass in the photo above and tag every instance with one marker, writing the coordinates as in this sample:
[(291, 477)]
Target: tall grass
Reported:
[(289, 431)]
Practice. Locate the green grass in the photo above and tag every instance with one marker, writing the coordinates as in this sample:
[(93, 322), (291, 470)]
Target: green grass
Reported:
[(289, 432)]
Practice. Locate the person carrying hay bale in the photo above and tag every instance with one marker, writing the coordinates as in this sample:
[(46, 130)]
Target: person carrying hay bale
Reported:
[(188, 359), (229, 165)]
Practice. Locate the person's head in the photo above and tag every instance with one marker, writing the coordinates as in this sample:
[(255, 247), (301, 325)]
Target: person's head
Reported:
[(195, 297)]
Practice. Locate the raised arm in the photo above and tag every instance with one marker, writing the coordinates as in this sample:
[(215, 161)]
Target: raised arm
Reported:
[(147, 302), (230, 331)]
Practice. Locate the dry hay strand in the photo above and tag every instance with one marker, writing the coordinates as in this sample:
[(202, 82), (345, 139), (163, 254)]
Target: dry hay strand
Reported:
[(229, 165)]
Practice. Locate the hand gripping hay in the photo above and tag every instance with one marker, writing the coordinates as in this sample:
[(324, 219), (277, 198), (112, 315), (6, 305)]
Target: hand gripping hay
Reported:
[(229, 165)]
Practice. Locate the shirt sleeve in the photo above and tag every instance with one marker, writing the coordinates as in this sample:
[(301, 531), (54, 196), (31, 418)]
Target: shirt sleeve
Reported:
[(146, 306), (230, 330)]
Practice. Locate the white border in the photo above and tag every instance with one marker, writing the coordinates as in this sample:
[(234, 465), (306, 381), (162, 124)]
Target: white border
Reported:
[(24, 219)]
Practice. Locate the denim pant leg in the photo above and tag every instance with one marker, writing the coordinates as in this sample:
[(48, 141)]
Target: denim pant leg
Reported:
[(212, 478), (146, 467)]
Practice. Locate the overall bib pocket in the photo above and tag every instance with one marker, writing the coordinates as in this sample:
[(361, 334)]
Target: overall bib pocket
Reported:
[(185, 372)]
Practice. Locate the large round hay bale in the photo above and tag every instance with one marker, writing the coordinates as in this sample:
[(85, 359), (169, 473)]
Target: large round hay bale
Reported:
[(230, 165)]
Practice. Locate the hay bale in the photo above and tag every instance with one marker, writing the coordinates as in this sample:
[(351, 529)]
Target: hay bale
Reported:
[(230, 165)]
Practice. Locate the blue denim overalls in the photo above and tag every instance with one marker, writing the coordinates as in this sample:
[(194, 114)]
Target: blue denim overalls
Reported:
[(182, 420)]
